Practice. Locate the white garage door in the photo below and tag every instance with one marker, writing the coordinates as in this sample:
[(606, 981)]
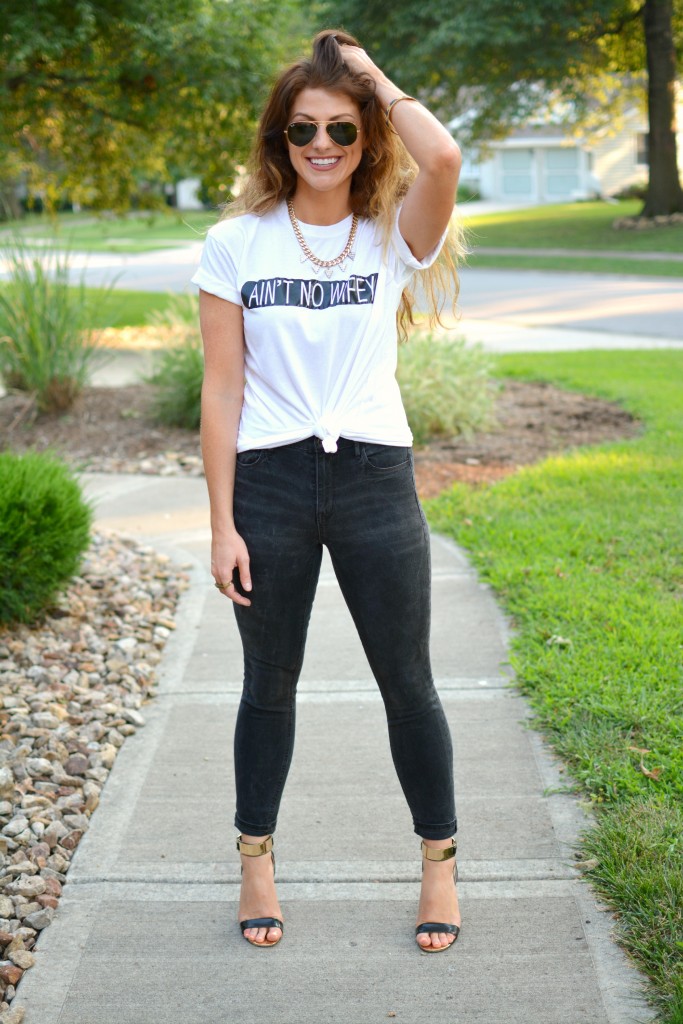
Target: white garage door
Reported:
[(517, 174), (561, 177)]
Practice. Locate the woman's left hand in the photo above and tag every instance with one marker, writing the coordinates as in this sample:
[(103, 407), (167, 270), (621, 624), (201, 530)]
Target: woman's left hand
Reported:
[(357, 60)]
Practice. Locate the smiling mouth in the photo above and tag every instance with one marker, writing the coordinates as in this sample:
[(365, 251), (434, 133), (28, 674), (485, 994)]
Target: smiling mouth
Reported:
[(324, 162)]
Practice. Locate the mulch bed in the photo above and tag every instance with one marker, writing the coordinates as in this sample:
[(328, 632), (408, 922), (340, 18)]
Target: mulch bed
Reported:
[(112, 429)]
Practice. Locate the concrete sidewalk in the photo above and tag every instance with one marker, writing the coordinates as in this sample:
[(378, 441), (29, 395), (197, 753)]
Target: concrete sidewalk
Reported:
[(126, 366), (146, 929)]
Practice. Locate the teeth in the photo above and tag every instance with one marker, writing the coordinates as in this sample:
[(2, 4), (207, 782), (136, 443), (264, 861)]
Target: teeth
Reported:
[(325, 163)]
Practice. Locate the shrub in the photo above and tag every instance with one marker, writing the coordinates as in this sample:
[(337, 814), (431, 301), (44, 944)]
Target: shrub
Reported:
[(467, 193), (177, 378), (446, 387), (46, 342), (637, 190), (44, 530)]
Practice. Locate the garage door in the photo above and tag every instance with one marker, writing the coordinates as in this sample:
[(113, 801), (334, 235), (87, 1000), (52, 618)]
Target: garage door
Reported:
[(517, 174), (561, 177)]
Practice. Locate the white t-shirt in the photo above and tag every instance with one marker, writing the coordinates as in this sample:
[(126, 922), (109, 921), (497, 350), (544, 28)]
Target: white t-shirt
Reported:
[(320, 349)]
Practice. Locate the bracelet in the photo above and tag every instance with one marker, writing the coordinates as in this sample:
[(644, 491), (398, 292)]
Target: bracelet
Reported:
[(387, 112)]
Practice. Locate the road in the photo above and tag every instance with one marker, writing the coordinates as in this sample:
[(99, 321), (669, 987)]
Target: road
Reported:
[(614, 303)]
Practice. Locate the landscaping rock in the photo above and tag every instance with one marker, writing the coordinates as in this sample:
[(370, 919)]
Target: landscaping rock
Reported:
[(65, 716), (22, 958), (13, 1015)]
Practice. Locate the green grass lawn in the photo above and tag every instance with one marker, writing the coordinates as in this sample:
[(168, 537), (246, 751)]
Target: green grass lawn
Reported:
[(581, 264), (139, 233), (571, 226), (585, 551), (120, 307)]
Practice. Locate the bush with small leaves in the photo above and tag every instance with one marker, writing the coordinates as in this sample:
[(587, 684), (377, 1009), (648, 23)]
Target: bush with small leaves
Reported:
[(446, 387), (44, 531)]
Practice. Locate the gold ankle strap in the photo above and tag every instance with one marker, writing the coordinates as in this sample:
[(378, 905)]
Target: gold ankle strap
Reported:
[(255, 849), (429, 853)]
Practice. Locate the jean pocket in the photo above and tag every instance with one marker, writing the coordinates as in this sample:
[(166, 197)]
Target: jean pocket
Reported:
[(385, 457), (251, 457)]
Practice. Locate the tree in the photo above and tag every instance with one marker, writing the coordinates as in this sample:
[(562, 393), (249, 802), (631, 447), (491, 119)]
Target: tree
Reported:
[(98, 99), (502, 62), (664, 194)]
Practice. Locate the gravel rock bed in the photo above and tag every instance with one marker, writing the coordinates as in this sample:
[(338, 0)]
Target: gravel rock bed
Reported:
[(71, 691), (161, 464)]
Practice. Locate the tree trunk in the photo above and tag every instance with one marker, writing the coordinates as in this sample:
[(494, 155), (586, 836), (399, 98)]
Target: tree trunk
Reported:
[(664, 192)]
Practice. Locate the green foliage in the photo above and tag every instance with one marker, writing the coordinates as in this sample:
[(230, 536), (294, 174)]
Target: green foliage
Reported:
[(44, 530), (486, 59), (584, 552), (106, 101), (178, 376), (446, 387), (637, 852), (491, 67), (46, 342), (466, 194)]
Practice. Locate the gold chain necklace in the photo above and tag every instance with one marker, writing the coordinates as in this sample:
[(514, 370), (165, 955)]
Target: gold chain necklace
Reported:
[(309, 255)]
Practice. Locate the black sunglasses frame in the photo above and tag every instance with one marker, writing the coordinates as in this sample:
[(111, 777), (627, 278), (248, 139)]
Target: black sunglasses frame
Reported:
[(329, 128)]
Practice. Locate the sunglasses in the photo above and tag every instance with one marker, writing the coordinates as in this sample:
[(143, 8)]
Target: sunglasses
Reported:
[(343, 133)]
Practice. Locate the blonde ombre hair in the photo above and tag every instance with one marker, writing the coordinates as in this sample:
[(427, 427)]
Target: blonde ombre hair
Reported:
[(384, 175)]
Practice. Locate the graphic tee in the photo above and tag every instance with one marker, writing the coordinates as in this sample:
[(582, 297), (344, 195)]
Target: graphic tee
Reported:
[(320, 347)]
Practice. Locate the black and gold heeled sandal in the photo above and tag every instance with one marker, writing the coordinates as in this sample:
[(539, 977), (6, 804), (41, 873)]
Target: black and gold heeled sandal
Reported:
[(428, 853), (258, 850)]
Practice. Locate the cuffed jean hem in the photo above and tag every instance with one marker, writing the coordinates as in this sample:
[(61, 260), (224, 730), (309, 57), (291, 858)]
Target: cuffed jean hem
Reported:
[(248, 829), (433, 831)]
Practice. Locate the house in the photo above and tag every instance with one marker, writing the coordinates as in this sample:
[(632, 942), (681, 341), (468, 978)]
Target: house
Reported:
[(546, 163)]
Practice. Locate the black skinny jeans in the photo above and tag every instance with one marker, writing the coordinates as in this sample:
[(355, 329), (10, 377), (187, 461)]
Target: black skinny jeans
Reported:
[(361, 502)]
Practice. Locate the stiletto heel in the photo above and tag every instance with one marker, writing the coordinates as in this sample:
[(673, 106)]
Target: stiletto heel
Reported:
[(258, 850), (428, 853)]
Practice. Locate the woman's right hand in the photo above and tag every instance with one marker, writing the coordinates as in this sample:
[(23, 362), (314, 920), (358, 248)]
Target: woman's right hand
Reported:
[(229, 552)]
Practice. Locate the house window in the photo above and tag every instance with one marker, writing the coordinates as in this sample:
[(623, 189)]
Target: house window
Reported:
[(643, 149)]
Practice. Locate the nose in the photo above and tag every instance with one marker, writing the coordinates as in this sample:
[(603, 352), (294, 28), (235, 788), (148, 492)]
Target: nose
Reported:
[(321, 140)]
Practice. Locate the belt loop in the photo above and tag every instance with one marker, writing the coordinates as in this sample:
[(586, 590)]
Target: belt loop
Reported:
[(356, 448)]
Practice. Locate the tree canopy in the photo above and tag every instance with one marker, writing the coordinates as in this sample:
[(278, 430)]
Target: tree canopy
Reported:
[(99, 98), (494, 64)]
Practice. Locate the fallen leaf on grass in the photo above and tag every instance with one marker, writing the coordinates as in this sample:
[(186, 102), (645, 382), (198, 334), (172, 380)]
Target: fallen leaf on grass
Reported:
[(654, 774), (558, 641), (587, 865)]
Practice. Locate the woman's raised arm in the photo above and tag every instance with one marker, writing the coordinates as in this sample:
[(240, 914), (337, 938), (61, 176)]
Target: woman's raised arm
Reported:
[(429, 202)]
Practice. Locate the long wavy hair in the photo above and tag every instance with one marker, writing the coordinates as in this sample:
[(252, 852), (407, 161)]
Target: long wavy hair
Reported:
[(381, 180)]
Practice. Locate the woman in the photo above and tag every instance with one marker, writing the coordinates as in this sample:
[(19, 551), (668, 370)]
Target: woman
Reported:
[(305, 441)]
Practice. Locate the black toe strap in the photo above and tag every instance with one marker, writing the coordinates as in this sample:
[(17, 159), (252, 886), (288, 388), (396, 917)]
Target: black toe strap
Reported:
[(262, 922), (437, 926)]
